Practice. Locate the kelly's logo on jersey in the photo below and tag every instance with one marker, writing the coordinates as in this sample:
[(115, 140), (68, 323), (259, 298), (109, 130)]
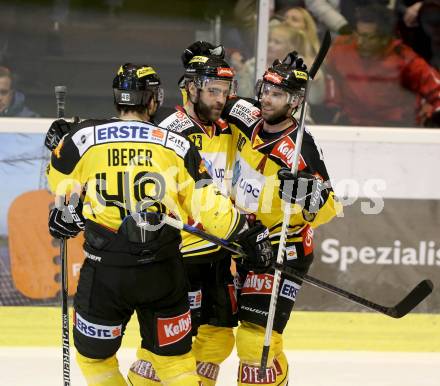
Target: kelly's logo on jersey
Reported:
[(171, 330), (258, 284), (284, 150)]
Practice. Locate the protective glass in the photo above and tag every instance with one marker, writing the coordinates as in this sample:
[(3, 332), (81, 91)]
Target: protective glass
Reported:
[(277, 94), (211, 86)]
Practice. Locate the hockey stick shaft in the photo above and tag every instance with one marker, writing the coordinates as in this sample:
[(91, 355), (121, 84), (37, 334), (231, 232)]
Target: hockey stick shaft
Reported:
[(408, 303), (325, 45), (60, 94)]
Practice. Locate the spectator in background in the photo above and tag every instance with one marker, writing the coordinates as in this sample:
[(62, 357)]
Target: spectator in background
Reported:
[(12, 101), (377, 80), (409, 28), (429, 19), (328, 13), (300, 19)]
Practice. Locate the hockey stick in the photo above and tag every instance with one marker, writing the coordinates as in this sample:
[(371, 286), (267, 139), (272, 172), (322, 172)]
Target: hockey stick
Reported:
[(407, 304), (323, 49), (60, 95)]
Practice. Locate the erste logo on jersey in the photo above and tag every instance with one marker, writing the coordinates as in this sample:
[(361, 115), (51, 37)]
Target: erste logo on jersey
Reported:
[(93, 330), (289, 289), (178, 122), (245, 112), (195, 299), (284, 150), (171, 330), (129, 131), (258, 284)]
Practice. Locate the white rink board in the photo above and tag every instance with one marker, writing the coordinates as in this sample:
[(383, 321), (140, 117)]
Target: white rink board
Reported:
[(42, 366), (388, 162)]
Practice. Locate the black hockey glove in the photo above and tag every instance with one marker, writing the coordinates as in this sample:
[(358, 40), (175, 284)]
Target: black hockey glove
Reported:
[(57, 130), (305, 190), (201, 48), (66, 222), (295, 61), (256, 245)]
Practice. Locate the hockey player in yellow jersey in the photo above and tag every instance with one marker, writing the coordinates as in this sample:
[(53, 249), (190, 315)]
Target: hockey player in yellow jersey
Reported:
[(128, 171), (264, 134), (206, 85)]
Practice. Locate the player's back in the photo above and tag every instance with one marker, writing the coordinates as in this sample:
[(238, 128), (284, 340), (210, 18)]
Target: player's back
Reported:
[(124, 165)]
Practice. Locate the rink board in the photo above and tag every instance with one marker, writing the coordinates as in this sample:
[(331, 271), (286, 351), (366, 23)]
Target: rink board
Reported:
[(41, 326)]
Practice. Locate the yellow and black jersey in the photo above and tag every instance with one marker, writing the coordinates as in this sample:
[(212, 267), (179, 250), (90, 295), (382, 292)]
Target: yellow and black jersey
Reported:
[(256, 161), (123, 165), (213, 143)]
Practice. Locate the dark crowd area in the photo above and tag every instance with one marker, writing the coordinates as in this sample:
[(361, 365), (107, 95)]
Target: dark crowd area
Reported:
[(382, 69)]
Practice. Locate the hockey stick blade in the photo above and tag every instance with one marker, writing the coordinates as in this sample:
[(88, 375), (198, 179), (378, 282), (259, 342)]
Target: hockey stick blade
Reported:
[(323, 49), (412, 300), (406, 305)]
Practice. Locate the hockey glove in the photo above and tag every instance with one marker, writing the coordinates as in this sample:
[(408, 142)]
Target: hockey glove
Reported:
[(295, 61), (256, 246), (305, 190), (57, 130), (66, 222)]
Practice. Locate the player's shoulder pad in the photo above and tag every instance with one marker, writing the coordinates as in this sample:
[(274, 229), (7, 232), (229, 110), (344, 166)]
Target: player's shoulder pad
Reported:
[(242, 111), (178, 121)]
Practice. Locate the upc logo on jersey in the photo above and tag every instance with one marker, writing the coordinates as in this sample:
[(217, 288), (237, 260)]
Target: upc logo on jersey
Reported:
[(289, 289), (171, 330), (245, 112), (195, 299), (258, 284), (93, 330), (284, 150)]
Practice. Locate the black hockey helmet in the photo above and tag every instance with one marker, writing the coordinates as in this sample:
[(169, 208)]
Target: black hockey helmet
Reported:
[(290, 75), (203, 68), (134, 85)]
